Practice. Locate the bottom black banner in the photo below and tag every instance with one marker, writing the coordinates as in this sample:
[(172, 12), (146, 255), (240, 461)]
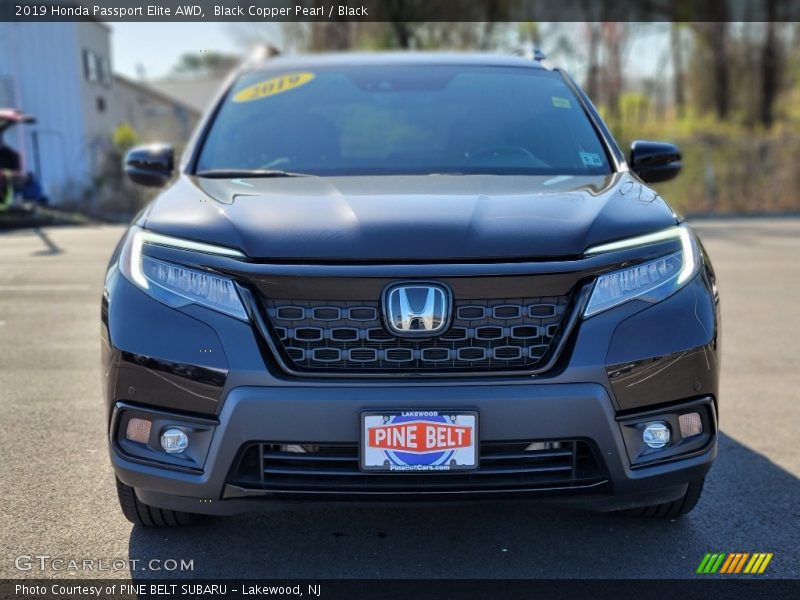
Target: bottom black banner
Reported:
[(397, 589)]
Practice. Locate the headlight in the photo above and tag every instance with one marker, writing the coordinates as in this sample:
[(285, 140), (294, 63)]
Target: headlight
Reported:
[(652, 281), (176, 285)]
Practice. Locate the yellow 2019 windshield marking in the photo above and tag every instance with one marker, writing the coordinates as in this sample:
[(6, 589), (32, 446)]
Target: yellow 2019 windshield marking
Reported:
[(272, 86)]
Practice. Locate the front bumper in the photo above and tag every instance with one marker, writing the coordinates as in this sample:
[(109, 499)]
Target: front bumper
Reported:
[(507, 412), (198, 364)]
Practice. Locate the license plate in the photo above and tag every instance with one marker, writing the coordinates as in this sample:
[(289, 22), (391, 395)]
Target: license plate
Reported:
[(419, 441)]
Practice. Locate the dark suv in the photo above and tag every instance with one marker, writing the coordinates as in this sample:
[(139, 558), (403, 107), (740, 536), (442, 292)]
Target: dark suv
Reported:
[(408, 277)]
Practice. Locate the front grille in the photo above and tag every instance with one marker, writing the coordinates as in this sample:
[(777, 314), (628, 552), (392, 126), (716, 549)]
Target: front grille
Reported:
[(485, 335), (504, 466)]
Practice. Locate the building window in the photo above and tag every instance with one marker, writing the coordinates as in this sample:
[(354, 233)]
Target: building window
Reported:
[(105, 72), (96, 68), (90, 66), (101, 104)]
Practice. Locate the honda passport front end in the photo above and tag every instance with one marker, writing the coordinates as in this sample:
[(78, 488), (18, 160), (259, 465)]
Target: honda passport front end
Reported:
[(408, 277)]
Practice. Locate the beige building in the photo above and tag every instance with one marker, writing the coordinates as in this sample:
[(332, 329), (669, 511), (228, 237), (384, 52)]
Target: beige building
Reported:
[(197, 93), (155, 116)]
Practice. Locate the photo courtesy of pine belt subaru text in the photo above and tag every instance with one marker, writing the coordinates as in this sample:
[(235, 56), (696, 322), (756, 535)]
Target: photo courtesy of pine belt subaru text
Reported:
[(408, 277)]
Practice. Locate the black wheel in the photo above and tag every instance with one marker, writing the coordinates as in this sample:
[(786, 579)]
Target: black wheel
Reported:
[(142, 514), (669, 510)]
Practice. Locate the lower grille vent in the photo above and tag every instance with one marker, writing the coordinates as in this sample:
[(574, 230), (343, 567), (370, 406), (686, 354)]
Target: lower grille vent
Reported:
[(334, 468)]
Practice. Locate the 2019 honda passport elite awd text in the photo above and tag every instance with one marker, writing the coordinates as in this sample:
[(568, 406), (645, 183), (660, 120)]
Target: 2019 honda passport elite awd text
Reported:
[(408, 277)]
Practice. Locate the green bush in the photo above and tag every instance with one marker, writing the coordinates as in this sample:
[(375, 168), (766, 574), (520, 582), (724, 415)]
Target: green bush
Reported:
[(727, 167)]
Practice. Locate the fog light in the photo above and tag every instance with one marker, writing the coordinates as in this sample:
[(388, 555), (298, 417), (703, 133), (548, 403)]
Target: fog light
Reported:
[(656, 435), (138, 430), (174, 441), (691, 424)]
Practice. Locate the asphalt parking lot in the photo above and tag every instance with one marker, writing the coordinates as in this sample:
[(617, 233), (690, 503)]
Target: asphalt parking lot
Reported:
[(58, 496)]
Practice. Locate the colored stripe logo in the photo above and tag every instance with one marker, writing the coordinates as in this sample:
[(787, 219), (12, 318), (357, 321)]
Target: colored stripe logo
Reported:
[(734, 562)]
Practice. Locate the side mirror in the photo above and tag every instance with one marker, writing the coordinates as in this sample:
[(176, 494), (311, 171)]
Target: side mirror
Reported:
[(150, 165), (655, 161)]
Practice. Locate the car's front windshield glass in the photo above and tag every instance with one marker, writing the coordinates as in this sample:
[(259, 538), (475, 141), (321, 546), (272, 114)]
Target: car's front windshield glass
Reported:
[(403, 119)]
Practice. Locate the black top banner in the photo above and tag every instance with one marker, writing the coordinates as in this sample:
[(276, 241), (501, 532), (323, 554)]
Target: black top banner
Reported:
[(400, 10)]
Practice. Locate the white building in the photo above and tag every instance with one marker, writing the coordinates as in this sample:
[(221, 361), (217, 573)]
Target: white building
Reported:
[(61, 73)]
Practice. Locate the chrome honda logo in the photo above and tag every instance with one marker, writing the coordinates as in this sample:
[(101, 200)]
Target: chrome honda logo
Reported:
[(417, 309)]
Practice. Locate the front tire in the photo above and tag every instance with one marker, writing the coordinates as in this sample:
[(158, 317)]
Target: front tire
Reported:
[(142, 514), (670, 510)]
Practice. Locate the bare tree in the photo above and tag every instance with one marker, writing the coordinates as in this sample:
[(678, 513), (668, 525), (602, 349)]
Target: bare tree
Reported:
[(530, 32), (595, 32), (615, 37), (404, 34), (678, 88), (718, 38), (205, 64), (248, 34), (770, 68)]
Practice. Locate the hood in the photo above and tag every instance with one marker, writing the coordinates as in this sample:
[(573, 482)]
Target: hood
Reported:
[(409, 218)]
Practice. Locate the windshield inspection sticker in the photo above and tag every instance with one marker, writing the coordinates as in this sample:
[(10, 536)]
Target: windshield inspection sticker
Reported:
[(559, 102), (591, 160), (270, 87)]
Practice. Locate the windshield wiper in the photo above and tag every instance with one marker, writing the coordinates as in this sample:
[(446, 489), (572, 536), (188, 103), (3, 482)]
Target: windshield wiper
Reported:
[(242, 173)]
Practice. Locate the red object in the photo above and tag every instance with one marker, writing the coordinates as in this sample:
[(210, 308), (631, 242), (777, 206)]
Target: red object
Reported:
[(12, 116), (420, 437)]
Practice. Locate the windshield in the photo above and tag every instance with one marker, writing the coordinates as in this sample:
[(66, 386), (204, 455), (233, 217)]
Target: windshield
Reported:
[(406, 119)]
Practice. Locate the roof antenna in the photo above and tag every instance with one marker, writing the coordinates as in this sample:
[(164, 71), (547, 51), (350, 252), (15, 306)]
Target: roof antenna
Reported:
[(530, 52), (259, 53)]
